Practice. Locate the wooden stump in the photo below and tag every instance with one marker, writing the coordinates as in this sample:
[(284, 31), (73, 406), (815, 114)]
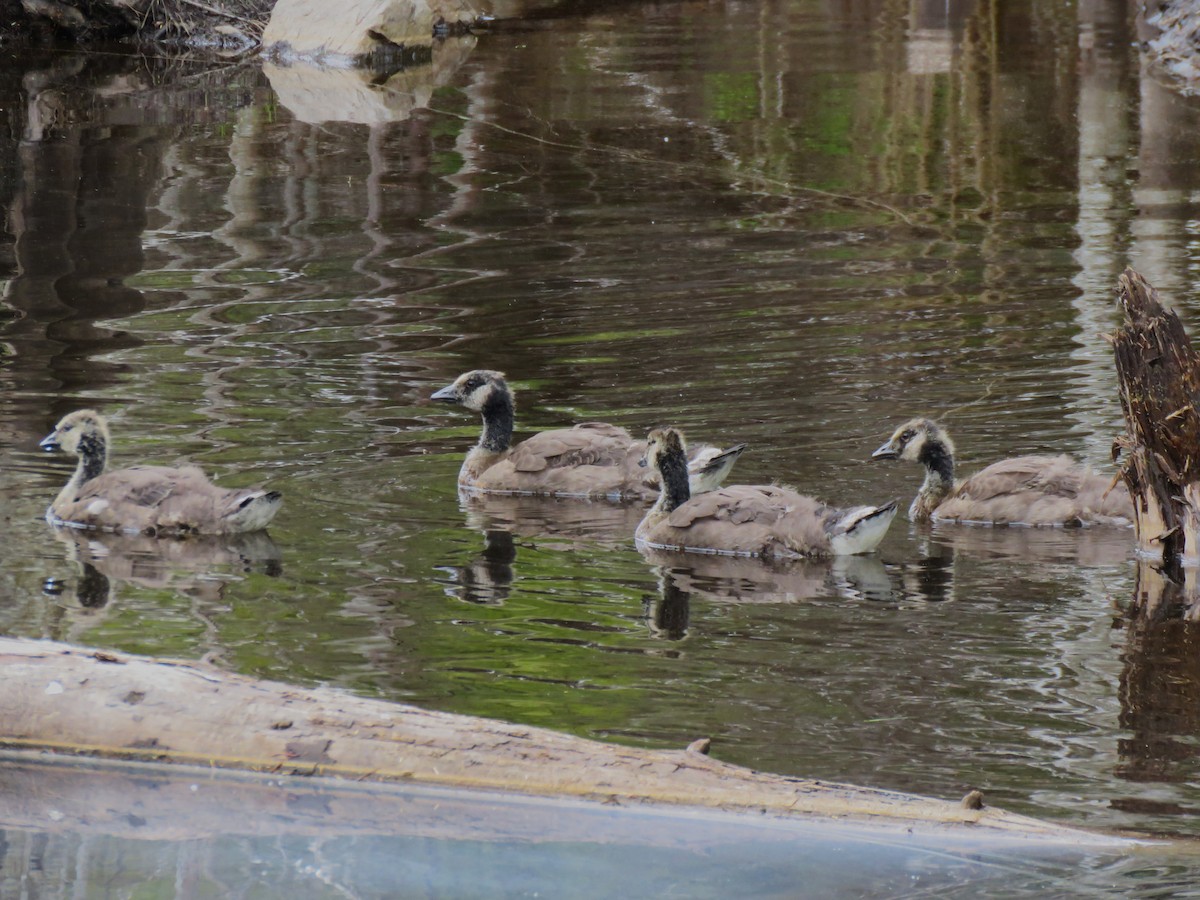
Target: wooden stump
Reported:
[(1159, 375)]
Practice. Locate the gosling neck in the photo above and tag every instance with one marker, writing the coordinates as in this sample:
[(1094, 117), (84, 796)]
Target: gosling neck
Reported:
[(939, 479), (675, 491), (497, 415), (93, 457)]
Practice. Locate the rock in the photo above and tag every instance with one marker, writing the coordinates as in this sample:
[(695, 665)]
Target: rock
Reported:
[(347, 32)]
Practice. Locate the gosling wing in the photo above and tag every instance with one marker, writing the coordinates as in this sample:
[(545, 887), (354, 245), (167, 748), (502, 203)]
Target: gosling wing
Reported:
[(1035, 490), (591, 459), (762, 520), (165, 500)]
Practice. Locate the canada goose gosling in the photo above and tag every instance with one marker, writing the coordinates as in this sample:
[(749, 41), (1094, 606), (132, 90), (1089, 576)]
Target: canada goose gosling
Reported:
[(592, 459), (925, 442), (145, 499), (1022, 490), (749, 520)]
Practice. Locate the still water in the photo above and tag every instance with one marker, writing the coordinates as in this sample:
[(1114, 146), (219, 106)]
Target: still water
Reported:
[(794, 224)]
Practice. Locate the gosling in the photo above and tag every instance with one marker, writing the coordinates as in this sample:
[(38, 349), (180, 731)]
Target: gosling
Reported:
[(150, 500), (749, 520), (1024, 490), (591, 460)]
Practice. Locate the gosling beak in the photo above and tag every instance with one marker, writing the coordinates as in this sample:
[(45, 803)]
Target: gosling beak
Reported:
[(446, 394), (50, 443), (887, 451)]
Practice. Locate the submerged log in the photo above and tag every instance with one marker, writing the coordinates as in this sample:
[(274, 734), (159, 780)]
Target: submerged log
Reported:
[(91, 703), (1159, 375)]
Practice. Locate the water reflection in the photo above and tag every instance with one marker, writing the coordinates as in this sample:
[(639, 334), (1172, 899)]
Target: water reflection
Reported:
[(316, 94), (1160, 687), (198, 568), (667, 613), (113, 830), (77, 217), (780, 228), (726, 579), (1091, 547), (553, 523), (565, 520), (488, 578)]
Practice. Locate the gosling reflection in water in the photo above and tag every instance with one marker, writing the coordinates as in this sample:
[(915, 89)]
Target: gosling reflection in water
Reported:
[(561, 524), (931, 574), (92, 589), (730, 579), (487, 579), (573, 522), (199, 567), (1089, 547), (667, 613)]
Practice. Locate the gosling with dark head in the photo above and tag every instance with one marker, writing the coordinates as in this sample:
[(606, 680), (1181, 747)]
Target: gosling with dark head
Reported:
[(768, 521), (152, 500), (1023, 490), (592, 459)]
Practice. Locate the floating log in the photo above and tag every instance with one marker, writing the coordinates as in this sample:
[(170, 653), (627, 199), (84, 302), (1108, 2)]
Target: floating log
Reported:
[(92, 703), (1159, 375)]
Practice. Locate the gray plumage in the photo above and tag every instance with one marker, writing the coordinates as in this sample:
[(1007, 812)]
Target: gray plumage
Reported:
[(152, 500), (1023, 490), (750, 520), (593, 459)]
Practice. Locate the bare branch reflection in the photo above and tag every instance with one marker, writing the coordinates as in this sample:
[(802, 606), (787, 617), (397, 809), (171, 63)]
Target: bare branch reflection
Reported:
[(1160, 686)]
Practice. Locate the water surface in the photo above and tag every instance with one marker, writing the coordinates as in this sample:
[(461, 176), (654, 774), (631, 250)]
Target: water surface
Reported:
[(791, 224)]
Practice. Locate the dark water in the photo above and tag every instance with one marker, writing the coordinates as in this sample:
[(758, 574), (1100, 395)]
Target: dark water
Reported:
[(793, 225)]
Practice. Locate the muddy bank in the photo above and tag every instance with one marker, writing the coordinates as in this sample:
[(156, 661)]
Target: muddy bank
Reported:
[(83, 702)]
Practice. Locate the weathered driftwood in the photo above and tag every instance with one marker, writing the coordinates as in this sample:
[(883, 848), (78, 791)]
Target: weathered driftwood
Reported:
[(72, 700), (1159, 375), (356, 30)]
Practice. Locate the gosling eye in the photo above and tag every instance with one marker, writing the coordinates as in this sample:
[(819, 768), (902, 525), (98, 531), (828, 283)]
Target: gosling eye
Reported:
[(906, 436)]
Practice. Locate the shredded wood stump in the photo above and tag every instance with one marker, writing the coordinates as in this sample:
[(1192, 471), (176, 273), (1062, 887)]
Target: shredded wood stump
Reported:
[(1159, 375)]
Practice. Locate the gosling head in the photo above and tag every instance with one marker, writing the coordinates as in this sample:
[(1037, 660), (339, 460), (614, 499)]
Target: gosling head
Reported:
[(920, 441), (661, 444), (81, 433), (474, 390)]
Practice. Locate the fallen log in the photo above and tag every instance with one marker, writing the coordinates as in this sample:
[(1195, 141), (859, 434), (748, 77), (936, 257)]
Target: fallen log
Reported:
[(77, 701), (1159, 376)]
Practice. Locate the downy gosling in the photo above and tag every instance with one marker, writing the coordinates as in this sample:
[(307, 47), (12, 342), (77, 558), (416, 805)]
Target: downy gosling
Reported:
[(592, 459), (749, 520), (1024, 490), (151, 500)]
